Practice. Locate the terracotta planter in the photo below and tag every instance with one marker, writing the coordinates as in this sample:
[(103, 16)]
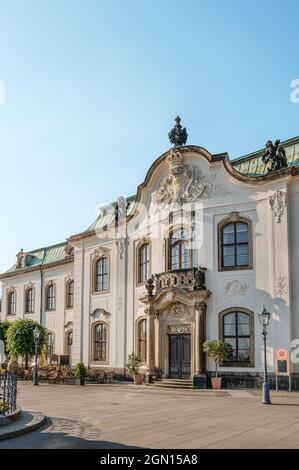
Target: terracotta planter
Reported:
[(216, 383), (138, 379)]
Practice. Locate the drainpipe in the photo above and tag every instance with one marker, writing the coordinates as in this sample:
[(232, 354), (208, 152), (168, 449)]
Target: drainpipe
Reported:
[(41, 295)]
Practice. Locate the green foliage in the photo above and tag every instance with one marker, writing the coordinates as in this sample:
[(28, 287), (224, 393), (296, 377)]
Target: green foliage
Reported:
[(218, 351), (80, 370), (4, 325), (133, 364), (20, 339)]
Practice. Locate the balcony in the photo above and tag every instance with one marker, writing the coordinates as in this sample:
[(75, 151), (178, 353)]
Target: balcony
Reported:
[(191, 279)]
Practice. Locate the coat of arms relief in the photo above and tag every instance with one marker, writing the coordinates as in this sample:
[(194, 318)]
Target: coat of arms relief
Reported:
[(185, 183)]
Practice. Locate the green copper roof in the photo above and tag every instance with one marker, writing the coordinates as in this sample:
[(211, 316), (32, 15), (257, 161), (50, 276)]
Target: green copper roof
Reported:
[(107, 215), (252, 165), (44, 256)]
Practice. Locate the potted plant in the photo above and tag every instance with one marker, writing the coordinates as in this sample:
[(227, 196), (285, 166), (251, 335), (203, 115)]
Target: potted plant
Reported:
[(132, 367), (80, 372), (219, 351)]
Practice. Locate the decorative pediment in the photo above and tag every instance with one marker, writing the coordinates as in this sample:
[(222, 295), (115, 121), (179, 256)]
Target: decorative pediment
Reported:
[(68, 325), (99, 314), (29, 285), (185, 183), (100, 251)]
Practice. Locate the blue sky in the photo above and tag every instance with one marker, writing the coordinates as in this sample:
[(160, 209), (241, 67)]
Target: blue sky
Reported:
[(92, 88)]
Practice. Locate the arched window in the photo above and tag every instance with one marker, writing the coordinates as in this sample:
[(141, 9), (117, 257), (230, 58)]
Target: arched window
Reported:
[(12, 302), (22, 262), (236, 328), (101, 275), (142, 339), (234, 246), (69, 344), (50, 345), (30, 300), (51, 297), (100, 343), (143, 263), (70, 294), (180, 254)]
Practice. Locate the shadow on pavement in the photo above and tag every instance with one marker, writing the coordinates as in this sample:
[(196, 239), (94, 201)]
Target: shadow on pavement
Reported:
[(59, 433)]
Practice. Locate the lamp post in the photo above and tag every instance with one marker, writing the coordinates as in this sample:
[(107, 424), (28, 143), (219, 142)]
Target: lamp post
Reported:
[(264, 319), (36, 335)]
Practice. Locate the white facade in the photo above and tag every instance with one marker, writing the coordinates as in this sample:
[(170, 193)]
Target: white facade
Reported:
[(209, 189)]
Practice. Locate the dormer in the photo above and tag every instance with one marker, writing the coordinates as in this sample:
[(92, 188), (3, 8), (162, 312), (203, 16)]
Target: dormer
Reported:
[(69, 251), (22, 259)]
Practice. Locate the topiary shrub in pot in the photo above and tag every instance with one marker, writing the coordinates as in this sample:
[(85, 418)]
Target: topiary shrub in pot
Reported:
[(218, 351), (80, 372), (132, 367)]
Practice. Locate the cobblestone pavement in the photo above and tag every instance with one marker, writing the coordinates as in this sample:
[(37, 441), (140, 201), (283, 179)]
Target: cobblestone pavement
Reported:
[(104, 416)]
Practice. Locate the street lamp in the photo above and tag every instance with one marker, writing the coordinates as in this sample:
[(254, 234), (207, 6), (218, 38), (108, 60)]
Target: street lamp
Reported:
[(36, 335), (264, 319)]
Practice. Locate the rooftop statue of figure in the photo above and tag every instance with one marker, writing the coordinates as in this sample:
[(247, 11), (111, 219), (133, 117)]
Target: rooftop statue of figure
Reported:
[(275, 156)]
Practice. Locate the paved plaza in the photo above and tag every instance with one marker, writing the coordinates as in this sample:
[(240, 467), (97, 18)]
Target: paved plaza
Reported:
[(125, 416)]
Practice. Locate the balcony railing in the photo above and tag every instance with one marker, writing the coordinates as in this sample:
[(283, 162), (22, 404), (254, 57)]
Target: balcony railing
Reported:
[(191, 279)]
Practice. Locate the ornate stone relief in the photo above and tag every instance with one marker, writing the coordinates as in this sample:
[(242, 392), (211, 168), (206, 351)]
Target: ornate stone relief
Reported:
[(120, 304), (280, 285), (140, 298), (177, 311), (278, 204), (100, 251), (185, 183), (176, 329), (120, 243), (68, 325), (69, 277), (100, 314), (236, 287), (29, 285)]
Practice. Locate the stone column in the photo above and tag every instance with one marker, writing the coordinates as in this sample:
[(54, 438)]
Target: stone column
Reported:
[(157, 341), (150, 343), (200, 334)]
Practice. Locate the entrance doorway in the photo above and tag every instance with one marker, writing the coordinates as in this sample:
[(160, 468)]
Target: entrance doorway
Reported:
[(179, 356)]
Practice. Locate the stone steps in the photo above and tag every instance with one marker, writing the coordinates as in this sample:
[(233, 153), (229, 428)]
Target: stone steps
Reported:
[(173, 383)]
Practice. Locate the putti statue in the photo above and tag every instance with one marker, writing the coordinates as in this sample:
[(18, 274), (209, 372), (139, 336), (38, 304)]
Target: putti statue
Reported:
[(275, 156), (178, 135)]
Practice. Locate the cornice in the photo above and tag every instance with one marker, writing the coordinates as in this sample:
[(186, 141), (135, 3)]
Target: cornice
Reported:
[(35, 268)]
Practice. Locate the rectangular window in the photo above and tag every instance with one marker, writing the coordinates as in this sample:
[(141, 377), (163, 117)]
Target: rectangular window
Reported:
[(101, 283), (234, 247), (51, 301)]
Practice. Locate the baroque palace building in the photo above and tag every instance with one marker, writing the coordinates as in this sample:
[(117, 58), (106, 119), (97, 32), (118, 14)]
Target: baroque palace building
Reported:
[(194, 255)]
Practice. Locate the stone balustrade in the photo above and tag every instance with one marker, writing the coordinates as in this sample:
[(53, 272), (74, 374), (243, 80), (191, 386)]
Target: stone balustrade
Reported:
[(190, 279)]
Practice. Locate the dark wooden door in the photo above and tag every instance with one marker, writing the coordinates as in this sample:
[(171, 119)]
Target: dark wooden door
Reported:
[(179, 356)]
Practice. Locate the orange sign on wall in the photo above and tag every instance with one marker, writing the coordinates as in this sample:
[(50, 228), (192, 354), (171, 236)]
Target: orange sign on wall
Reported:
[(282, 362)]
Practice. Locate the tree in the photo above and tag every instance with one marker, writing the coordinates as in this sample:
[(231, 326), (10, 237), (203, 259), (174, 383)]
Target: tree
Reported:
[(133, 364), (20, 339), (4, 325), (218, 351), (80, 372)]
